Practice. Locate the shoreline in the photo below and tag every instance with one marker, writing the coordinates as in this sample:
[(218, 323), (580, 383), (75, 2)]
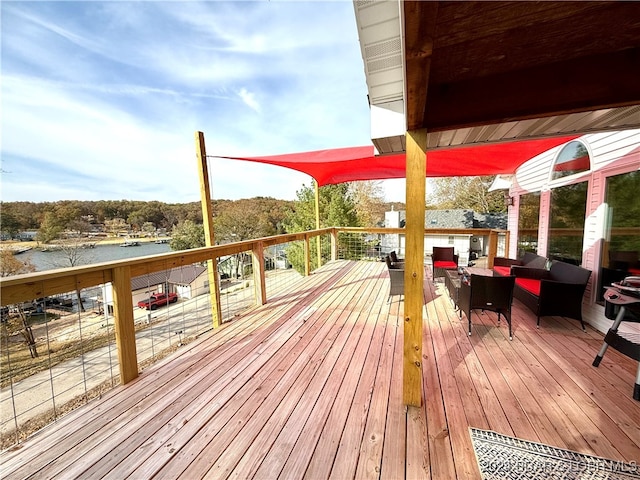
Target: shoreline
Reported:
[(35, 245)]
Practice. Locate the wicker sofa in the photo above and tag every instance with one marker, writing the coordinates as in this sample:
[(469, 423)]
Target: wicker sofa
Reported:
[(557, 291), (502, 266)]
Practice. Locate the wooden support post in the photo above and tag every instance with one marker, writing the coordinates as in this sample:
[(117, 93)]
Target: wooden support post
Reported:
[(334, 244), (493, 248), (207, 218), (259, 284), (318, 239), (414, 267), (123, 319), (507, 241)]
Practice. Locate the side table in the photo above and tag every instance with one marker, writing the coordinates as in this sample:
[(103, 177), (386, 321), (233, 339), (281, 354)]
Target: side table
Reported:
[(452, 281), (626, 343)]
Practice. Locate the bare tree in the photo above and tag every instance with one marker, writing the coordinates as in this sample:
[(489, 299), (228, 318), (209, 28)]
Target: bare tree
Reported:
[(368, 197), (27, 332), (75, 253)]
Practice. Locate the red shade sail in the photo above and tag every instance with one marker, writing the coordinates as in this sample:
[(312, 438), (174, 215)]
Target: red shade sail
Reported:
[(360, 163)]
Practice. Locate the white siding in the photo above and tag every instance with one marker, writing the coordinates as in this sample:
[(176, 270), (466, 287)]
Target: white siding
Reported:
[(612, 153)]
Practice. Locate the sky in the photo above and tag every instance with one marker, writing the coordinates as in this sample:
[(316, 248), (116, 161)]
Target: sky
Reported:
[(101, 100)]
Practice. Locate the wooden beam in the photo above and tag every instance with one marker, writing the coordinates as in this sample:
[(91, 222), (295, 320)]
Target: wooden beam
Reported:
[(420, 30), (318, 224), (604, 81), (414, 267), (207, 218), (124, 326)]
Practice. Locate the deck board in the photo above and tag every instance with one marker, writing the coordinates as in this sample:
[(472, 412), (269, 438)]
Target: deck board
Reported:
[(310, 386)]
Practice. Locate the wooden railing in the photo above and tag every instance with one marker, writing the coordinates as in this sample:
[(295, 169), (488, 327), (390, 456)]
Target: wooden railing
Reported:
[(21, 288)]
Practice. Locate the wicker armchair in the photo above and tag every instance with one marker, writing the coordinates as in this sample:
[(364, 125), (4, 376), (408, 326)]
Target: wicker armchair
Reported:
[(396, 277), (443, 259)]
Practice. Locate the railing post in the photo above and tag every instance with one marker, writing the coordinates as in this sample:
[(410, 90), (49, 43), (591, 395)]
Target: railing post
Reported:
[(259, 284), (334, 244), (318, 239), (493, 248), (307, 255), (207, 218), (123, 319)]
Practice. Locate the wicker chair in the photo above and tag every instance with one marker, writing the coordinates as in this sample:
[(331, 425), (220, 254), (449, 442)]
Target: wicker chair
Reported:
[(443, 259), (487, 293), (398, 262), (396, 277)]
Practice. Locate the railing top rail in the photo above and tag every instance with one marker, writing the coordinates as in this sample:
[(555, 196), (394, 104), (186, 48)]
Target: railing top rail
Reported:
[(26, 287)]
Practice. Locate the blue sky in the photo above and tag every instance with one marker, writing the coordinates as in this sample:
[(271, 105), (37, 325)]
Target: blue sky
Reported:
[(100, 100)]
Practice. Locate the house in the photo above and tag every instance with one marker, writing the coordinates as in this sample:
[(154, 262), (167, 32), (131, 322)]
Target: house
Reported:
[(466, 245), (187, 281), (579, 203)]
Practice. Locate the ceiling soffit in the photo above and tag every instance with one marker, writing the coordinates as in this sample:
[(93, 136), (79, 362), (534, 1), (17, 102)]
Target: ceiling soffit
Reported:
[(486, 72)]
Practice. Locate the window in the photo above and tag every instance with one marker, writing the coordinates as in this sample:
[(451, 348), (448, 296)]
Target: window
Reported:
[(528, 219), (573, 158), (566, 223), (621, 247)]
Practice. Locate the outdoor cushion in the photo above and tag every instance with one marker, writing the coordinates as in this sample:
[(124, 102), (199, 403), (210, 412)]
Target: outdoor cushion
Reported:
[(529, 284), (504, 271), (444, 264)]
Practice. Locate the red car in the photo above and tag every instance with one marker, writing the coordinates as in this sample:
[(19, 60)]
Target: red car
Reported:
[(158, 300)]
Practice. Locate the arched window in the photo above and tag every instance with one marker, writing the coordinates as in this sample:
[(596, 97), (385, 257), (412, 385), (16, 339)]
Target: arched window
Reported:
[(573, 158)]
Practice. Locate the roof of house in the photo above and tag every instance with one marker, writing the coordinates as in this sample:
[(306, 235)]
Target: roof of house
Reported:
[(460, 218), (179, 275)]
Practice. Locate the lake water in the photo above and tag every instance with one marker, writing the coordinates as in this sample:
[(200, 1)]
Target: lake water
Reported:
[(101, 253)]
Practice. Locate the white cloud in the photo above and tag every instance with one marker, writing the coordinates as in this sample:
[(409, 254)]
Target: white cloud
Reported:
[(249, 99), (101, 99)]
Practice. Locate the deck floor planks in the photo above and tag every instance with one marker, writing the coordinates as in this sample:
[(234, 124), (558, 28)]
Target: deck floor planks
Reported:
[(457, 421), (529, 420), (169, 405), (297, 460), (289, 455), (440, 454), (577, 406), (323, 457), (600, 380), (146, 449), (88, 437), (440, 450), (560, 345), (624, 432), (346, 418), (369, 463), (492, 388), (346, 458), (534, 404), (556, 429), (218, 433), (278, 441)]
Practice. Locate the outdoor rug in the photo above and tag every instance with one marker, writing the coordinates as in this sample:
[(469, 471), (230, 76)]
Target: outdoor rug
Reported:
[(502, 457)]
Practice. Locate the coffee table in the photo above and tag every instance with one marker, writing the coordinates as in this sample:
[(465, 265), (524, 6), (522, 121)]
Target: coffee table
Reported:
[(453, 281)]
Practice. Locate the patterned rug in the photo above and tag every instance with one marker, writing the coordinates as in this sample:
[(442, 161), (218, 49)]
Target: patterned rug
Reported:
[(501, 457)]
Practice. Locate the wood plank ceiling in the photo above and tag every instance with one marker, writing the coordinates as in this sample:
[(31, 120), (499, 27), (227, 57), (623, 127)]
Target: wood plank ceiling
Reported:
[(477, 72)]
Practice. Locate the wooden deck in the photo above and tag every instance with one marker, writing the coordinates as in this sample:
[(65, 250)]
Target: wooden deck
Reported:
[(309, 386)]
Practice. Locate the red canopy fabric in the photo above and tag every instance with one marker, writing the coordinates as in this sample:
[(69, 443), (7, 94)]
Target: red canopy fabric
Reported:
[(360, 163)]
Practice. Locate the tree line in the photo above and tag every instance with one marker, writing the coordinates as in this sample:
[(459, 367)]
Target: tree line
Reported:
[(234, 220), (241, 219)]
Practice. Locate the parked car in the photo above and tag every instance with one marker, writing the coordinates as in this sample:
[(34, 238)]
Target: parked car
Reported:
[(158, 300)]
